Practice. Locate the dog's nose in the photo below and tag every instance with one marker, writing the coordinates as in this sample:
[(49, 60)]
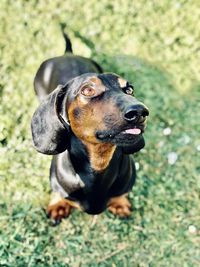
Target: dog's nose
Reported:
[(133, 113)]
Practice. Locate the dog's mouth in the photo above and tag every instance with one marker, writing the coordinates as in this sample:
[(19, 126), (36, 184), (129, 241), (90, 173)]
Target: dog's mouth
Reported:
[(124, 136), (133, 131)]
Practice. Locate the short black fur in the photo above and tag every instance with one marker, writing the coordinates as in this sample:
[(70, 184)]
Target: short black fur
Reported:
[(71, 173)]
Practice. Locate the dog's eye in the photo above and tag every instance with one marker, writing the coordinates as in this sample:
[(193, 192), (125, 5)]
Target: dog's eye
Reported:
[(88, 91), (129, 91)]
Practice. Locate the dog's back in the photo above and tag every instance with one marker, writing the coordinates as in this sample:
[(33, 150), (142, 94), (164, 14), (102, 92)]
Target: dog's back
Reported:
[(59, 70)]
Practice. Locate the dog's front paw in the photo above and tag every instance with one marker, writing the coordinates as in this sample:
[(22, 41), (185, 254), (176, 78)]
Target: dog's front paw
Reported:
[(120, 206), (58, 211)]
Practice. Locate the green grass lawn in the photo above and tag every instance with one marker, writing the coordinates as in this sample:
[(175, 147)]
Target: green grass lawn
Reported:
[(154, 44)]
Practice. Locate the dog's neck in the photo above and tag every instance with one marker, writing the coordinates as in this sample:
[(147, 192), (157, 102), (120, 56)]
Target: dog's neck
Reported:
[(100, 155)]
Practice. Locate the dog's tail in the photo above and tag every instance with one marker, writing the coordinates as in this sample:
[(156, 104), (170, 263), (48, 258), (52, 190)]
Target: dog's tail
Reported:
[(68, 47)]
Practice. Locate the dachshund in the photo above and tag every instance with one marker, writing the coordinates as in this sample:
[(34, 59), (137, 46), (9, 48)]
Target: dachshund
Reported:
[(92, 123)]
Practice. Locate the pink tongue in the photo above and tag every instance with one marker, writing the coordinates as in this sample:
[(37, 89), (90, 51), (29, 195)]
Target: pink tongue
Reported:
[(133, 131)]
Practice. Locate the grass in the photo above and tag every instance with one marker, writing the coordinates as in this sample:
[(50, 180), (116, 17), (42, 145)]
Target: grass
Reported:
[(154, 44)]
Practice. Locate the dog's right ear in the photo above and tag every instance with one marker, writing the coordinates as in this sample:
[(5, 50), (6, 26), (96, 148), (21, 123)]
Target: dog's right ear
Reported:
[(49, 125)]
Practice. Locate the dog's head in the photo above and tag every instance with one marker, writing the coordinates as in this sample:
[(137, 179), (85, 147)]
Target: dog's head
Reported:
[(97, 108)]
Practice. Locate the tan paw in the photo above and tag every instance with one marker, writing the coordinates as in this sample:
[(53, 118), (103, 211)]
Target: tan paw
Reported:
[(59, 211), (120, 206), (60, 208)]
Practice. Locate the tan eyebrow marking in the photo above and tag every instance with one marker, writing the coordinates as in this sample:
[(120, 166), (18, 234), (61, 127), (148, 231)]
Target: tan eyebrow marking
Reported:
[(96, 83), (122, 82), (95, 80)]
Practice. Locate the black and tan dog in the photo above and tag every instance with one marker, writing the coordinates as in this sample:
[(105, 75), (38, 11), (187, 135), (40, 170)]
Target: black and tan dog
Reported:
[(91, 122)]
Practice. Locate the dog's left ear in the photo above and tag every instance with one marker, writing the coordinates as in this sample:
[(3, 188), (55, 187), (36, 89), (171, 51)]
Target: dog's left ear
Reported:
[(49, 125), (137, 146)]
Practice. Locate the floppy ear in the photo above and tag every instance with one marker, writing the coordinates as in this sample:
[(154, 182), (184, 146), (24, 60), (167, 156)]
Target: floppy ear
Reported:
[(135, 147), (49, 125)]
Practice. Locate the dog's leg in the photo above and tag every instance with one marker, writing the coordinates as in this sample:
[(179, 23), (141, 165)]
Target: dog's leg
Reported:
[(60, 208), (120, 206)]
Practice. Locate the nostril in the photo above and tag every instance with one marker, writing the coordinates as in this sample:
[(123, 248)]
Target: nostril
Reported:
[(145, 112), (131, 115)]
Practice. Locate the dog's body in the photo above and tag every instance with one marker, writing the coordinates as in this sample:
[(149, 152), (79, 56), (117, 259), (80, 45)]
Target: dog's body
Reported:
[(90, 123)]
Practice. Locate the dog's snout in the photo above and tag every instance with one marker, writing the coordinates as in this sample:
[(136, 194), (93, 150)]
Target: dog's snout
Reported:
[(134, 112)]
